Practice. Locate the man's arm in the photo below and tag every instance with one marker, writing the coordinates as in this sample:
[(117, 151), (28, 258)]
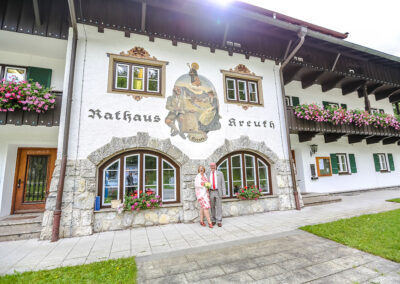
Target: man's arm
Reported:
[(222, 186)]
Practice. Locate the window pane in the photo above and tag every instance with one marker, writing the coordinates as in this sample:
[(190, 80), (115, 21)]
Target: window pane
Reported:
[(249, 161), (230, 84), (138, 78), (150, 177), (223, 167), (153, 80), (131, 175), (168, 176), (231, 94), (122, 76), (153, 86), (237, 174), (242, 90), (153, 74), (236, 161), (168, 193), (253, 92), (236, 186), (114, 166), (16, 74), (111, 183), (110, 193), (150, 162), (169, 185), (263, 176)]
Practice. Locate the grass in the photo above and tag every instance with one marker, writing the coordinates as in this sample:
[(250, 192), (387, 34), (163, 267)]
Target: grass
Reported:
[(377, 234), (121, 270), (394, 200)]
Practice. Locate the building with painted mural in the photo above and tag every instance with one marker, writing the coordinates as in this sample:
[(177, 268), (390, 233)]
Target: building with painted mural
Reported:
[(147, 92)]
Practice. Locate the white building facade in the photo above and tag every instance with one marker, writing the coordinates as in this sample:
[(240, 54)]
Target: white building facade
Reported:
[(158, 90)]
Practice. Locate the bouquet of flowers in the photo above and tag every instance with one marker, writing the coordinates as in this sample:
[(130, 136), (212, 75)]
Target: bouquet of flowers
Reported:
[(207, 185)]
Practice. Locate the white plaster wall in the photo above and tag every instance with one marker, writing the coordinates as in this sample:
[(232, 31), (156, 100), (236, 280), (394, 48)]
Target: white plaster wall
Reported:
[(366, 176), (314, 94), (41, 52), (90, 92), (11, 138)]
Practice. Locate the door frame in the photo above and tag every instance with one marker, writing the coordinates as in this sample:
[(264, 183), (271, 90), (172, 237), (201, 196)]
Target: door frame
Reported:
[(16, 174)]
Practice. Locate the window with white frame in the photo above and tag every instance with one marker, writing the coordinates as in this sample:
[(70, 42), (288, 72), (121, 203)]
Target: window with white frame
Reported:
[(137, 78), (17, 74), (138, 173), (382, 162), (242, 169), (241, 90), (342, 163)]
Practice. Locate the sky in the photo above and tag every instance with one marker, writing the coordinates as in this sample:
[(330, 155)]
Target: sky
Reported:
[(374, 24)]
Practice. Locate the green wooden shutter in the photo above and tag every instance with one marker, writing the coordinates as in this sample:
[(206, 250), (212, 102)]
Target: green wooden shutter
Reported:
[(391, 163), (344, 106), (326, 104), (353, 165), (295, 101), (335, 168), (40, 75), (377, 164)]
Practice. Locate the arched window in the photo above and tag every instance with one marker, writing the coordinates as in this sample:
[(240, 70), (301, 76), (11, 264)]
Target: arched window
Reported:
[(138, 172), (242, 169)]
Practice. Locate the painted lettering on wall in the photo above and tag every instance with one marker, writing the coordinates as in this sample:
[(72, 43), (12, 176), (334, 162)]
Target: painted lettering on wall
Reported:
[(123, 115), (250, 123)]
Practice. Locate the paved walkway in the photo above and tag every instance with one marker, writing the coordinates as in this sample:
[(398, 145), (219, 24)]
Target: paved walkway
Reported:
[(143, 242), (290, 257)]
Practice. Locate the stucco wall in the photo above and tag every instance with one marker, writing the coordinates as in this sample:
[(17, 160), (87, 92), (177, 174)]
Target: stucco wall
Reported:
[(90, 92), (41, 52), (366, 176)]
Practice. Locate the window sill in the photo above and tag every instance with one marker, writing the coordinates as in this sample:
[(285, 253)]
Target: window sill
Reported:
[(385, 171), (232, 199), (169, 205), (344, 174), (243, 104)]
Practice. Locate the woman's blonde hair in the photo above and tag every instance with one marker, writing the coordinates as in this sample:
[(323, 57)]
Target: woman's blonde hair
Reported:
[(198, 169)]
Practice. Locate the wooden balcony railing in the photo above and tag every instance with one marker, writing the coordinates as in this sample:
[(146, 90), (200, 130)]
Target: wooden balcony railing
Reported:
[(308, 129), (20, 117)]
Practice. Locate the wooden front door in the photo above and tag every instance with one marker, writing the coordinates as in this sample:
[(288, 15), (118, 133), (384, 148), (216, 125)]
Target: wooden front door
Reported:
[(32, 178)]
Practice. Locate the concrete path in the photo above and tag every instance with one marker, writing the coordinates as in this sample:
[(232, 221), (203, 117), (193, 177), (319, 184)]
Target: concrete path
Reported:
[(37, 255), (290, 257)]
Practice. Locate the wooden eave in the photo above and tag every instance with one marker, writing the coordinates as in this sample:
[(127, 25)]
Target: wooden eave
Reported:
[(200, 23)]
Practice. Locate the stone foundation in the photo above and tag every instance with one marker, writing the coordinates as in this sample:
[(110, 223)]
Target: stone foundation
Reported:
[(79, 219), (109, 219)]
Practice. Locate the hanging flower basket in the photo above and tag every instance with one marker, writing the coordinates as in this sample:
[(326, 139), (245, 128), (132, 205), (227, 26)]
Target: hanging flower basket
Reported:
[(338, 115), (25, 95)]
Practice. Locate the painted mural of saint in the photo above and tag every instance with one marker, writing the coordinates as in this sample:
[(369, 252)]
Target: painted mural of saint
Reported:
[(193, 107)]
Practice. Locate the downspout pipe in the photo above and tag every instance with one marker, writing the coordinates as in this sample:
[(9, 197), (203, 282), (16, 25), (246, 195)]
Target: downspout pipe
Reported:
[(67, 122), (302, 35)]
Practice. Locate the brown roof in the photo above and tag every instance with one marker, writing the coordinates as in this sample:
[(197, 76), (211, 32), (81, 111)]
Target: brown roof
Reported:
[(288, 19)]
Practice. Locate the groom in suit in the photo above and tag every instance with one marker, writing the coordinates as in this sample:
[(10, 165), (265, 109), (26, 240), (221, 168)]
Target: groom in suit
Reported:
[(216, 179)]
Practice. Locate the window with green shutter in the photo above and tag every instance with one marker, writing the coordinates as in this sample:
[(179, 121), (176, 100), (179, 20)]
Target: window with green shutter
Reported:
[(353, 165), (295, 101), (391, 162), (377, 163), (40, 75), (334, 163)]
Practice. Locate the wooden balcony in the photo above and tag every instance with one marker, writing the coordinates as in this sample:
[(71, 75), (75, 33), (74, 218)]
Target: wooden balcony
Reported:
[(20, 117), (306, 130)]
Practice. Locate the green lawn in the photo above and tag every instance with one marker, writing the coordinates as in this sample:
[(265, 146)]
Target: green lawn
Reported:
[(394, 200), (121, 270), (377, 234)]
